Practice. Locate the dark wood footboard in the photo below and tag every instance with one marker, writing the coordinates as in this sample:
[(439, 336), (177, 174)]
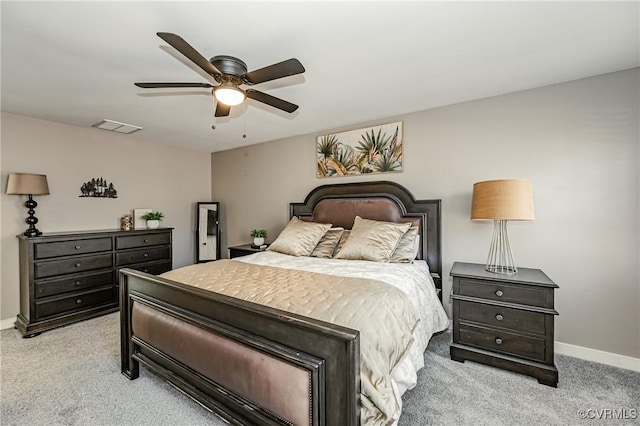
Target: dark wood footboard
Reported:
[(248, 363)]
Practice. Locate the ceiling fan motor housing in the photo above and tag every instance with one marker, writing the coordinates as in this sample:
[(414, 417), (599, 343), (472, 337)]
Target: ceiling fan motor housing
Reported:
[(229, 65)]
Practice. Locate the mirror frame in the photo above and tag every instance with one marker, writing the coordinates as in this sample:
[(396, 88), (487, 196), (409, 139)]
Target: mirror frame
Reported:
[(200, 225)]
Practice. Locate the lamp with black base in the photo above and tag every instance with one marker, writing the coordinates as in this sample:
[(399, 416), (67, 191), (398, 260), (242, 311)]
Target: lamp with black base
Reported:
[(28, 184)]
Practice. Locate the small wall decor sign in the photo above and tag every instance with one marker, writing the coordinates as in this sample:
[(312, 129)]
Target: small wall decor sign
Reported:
[(98, 187), (376, 149)]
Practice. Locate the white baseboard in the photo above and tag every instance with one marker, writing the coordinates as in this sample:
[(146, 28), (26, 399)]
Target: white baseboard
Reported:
[(621, 361), (7, 323)]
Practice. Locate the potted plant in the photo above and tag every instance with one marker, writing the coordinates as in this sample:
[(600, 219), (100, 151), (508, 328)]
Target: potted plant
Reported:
[(258, 236), (153, 219)]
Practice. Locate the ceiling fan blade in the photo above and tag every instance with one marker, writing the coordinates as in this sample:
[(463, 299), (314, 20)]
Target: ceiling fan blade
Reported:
[(272, 72), (271, 100), (222, 110), (185, 48), (161, 85)]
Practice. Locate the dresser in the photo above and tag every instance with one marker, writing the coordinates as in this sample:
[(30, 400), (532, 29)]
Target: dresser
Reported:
[(72, 276), (506, 321)]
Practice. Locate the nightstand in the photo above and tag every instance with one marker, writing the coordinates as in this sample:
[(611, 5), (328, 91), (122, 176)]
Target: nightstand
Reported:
[(243, 250), (505, 321)]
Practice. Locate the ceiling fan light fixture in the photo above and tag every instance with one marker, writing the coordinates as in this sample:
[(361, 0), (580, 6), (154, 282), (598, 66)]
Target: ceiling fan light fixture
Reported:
[(229, 95)]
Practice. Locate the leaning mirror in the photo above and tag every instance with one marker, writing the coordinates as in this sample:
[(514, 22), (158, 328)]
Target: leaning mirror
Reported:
[(208, 231)]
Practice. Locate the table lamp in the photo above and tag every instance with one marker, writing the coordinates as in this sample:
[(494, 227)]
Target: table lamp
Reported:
[(501, 201), (28, 184)]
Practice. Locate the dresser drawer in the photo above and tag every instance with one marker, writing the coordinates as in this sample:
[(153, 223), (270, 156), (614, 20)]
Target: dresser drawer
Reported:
[(67, 248), (515, 319), (155, 268), (146, 255), (512, 293), (76, 302), (72, 265), (132, 241), (502, 341), (78, 282)]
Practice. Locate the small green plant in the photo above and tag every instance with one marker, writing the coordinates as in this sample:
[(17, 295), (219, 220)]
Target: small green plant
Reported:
[(153, 216), (258, 233)]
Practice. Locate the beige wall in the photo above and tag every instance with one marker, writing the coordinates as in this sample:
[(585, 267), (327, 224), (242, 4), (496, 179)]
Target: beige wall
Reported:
[(577, 141), (146, 175)]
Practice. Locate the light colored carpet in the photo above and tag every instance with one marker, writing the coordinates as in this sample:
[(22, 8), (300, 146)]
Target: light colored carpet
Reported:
[(71, 376)]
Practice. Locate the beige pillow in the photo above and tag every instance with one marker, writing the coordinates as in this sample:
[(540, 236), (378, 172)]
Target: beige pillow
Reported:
[(343, 239), (372, 240), (328, 243), (299, 238), (407, 248)]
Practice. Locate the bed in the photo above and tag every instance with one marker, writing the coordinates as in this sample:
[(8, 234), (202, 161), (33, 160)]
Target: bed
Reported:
[(216, 339)]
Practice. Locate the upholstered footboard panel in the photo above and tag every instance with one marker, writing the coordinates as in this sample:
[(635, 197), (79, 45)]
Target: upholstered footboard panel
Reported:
[(279, 387)]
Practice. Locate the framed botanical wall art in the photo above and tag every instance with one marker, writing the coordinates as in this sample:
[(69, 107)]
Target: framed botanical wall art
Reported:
[(376, 149)]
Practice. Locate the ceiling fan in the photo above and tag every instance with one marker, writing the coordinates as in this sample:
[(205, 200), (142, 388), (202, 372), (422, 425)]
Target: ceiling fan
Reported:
[(230, 73)]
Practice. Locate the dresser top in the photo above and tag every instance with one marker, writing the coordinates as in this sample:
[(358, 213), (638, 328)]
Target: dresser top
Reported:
[(524, 275), (95, 231)]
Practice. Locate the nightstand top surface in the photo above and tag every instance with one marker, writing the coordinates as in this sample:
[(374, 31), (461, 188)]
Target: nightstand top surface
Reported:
[(524, 275), (244, 247)]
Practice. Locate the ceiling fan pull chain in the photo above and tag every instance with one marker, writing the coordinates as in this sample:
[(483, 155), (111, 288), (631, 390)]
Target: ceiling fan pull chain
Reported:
[(244, 121)]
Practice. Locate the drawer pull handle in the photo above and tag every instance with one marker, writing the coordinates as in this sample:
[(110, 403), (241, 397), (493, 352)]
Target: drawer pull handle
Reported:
[(79, 301), (77, 247), (146, 241), (78, 265), (498, 341), (145, 255), (499, 317), (78, 282), (499, 293)]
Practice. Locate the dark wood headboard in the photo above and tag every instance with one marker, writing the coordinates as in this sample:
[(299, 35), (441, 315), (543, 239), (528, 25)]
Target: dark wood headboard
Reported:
[(379, 200)]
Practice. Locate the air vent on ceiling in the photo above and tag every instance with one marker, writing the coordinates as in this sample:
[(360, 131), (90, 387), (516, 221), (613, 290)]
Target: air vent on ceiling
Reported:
[(116, 126)]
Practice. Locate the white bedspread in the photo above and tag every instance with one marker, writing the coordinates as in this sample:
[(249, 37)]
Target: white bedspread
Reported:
[(413, 279)]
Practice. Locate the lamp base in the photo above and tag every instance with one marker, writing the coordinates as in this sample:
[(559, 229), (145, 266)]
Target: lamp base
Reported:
[(499, 269), (500, 259), (32, 231), (35, 232)]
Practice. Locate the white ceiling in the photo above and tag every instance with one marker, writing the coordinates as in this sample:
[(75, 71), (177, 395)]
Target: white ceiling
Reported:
[(76, 62)]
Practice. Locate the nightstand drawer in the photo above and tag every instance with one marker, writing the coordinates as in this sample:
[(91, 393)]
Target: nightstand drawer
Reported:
[(137, 256), (132, 241), (76, 302), (68, 248), (511, 293), (514, 319), (79, 282), (502, 341), (71, 265)]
